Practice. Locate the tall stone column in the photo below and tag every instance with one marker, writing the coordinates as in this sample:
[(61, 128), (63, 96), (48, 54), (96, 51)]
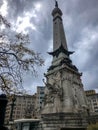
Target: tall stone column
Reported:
[(64, 94)]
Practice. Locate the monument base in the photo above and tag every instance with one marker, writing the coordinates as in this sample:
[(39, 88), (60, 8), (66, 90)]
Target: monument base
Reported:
[(64, 121)]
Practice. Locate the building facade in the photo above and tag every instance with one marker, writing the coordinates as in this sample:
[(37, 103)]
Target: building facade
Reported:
[(23, 107), (40, 98), (92, 98), (90, 92)]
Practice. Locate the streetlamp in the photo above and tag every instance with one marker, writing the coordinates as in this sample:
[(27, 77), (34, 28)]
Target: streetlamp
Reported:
[(12, 107), (13, 99)]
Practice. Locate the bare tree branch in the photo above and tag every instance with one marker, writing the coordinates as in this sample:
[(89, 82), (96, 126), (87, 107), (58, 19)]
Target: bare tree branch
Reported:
[(15, 59)]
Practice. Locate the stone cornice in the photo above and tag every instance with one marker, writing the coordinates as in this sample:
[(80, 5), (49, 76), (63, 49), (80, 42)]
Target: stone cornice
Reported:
[(59, 50)]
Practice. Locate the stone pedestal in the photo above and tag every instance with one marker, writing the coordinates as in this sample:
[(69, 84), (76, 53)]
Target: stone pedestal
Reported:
[(65, 102), (63, 121)]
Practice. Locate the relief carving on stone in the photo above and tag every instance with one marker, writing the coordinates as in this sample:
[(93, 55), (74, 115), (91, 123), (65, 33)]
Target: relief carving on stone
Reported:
[(53, 88), (74, 79), (68, 77)]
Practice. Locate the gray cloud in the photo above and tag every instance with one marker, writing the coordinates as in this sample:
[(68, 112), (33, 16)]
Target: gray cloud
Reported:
[(80, 20), (82, 36), (1, 2)]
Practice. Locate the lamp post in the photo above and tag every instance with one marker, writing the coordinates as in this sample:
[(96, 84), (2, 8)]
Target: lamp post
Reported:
[(12, 107), (13, 99)]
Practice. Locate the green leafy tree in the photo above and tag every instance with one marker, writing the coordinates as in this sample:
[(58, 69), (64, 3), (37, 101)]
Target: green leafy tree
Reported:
[(15, 59)]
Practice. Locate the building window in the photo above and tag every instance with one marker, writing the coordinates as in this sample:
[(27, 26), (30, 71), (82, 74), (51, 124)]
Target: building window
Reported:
[(94, 104), (41, 92), (95, 107), (94, 100), (41, 97)]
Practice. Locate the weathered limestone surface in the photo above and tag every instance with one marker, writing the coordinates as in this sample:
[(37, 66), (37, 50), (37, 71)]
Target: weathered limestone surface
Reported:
[(57, 121), (64, 91), (65, 103)]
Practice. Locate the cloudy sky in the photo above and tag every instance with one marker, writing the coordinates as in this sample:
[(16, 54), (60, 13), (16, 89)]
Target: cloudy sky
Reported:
[(80, 19)]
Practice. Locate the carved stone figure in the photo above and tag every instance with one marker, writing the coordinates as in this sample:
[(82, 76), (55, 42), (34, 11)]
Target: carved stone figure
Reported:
[(53, 89)]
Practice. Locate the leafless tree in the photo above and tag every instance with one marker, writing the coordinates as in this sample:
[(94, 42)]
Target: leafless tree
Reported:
[(15, 59)]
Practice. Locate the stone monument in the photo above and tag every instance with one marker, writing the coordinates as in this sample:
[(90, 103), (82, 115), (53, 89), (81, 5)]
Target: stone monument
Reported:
[(65, 105)]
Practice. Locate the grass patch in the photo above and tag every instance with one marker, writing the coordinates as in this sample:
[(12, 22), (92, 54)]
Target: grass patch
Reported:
[(93, 127)]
